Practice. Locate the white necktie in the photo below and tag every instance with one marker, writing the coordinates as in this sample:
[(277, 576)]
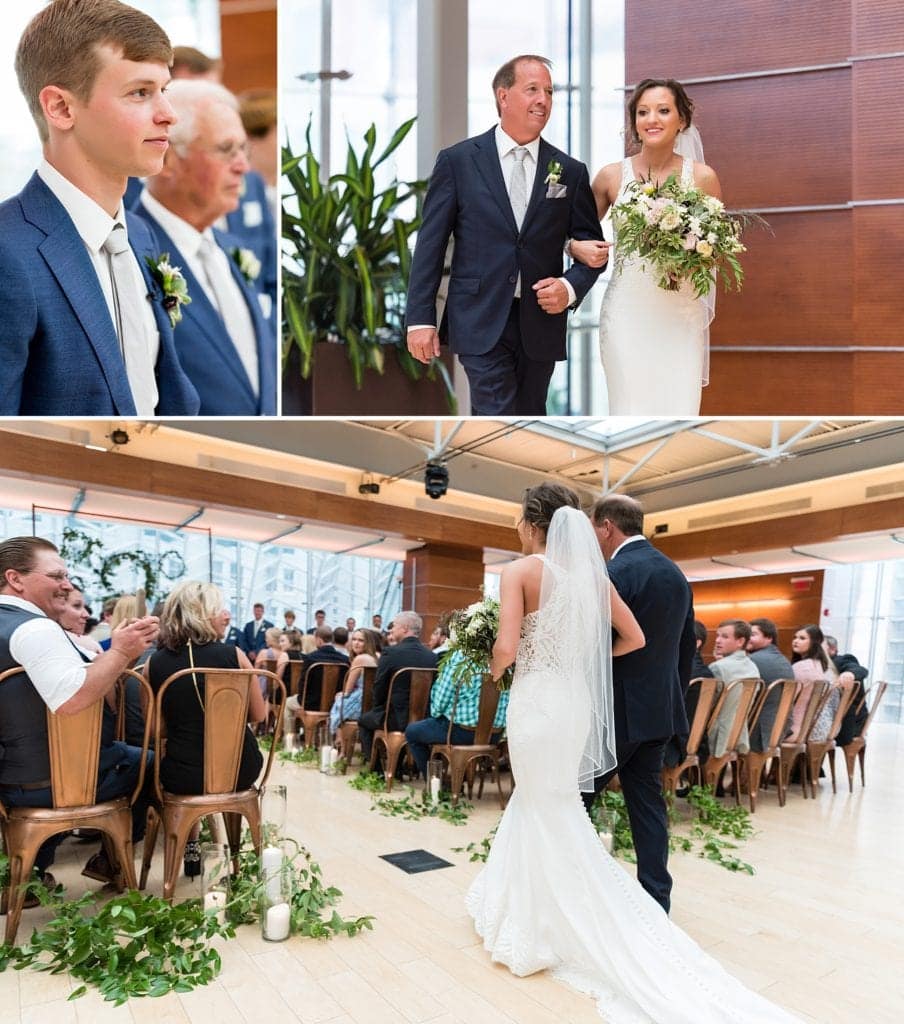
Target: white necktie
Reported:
[(129, 328), (518, 186), (230, 304)]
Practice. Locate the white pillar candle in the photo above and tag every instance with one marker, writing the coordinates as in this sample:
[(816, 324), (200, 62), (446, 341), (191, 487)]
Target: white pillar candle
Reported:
[(278, 921), (334, 757), (215, 903), (325, 757), (606, 838), (271, 867), (434, 791)]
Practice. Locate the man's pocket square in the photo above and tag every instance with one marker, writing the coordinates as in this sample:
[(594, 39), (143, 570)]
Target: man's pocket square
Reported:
[(555, 191)]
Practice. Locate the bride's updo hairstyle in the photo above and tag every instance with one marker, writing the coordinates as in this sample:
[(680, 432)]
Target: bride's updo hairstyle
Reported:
[(683, 103), (541, 502)]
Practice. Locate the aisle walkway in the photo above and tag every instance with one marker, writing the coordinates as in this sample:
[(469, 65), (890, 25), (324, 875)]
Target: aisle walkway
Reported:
[(818, 928)]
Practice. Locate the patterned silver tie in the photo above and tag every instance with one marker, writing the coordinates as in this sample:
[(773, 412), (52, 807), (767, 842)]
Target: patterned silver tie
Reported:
[(125, 317), (518, 186)]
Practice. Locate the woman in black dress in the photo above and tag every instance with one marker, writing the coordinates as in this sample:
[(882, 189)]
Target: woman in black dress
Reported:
[(191, 625)]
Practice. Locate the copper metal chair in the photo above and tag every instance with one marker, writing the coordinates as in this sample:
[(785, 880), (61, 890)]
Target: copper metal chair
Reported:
[(347, 733), (817, 749), (74, 746), (392, 740), (753, 762), (226, 696), (317, 719), (748, 690), (795, 750), (706, 699), (856, 749), (463, 758), (294, 670)]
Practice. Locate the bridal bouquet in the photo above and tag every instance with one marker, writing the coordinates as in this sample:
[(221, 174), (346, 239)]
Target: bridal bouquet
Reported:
[(472, 633), (683, 232)]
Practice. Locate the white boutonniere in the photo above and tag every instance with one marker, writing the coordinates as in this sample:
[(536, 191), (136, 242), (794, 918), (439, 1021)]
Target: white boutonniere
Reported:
[(249, 265), (554, 190), (172, 284)]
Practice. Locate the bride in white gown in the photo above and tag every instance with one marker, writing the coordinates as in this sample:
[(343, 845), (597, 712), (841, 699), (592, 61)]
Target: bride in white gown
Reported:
[(550, 896), (653, 343)]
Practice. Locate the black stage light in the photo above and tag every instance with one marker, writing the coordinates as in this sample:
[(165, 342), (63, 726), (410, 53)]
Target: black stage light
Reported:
[(436, 479), (119, 437), (368, 488)]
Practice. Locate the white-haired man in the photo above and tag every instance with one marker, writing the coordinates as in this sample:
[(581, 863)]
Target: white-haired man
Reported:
[(224, 343)]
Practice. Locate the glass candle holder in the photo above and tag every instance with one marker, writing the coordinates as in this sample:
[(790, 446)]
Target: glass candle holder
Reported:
[(215, 875), (274, 806), (275, 895), (435, 771)]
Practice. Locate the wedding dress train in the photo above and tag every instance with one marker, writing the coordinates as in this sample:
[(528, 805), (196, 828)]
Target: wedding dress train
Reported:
[(551, 897)]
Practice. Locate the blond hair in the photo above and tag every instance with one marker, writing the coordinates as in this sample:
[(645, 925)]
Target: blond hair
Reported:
[(188, 614)]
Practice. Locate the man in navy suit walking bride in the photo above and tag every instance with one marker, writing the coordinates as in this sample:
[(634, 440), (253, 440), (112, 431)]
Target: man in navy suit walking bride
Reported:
[(511, 200)]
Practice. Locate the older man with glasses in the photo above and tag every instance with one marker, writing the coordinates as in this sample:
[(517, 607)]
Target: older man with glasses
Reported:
[(34, 587), (224, 343)]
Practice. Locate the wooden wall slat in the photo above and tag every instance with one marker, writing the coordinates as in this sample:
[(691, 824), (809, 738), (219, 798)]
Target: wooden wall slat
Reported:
[(878, 26), (689, 39)]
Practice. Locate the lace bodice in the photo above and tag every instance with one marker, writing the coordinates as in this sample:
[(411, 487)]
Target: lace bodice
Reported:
[(531, 657)]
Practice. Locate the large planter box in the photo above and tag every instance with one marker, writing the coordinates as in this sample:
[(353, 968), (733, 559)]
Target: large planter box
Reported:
[(331, 391)]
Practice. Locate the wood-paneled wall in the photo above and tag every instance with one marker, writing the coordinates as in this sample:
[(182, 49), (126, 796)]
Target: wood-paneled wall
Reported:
[(826, 130), (789, 605), (248, 37)]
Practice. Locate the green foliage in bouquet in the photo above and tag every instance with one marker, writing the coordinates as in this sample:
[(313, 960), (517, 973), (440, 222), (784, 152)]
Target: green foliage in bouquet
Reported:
[(684, 233), (472, 633), (348, 257)]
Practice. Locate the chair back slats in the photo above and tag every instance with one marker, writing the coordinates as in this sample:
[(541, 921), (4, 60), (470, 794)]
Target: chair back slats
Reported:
[(486, 709), (789, 690), (877, 699), (225, 719), (367, 688), (749, 689), (294, 680), (849, 690), (818, 696), (418, 693), (331, 675), (74, 744), (705, 700)]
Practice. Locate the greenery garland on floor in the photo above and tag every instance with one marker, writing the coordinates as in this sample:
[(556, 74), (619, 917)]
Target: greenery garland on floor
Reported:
[(137, 944), (709, 822), (413, 806)]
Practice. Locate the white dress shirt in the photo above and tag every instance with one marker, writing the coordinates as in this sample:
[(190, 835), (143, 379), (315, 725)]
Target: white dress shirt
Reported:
[(41, 647), (188, 240), (93, 225), (626, 541)]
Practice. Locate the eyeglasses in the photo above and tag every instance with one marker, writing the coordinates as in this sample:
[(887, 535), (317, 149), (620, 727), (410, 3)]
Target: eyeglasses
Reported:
[(60, 576), (226, 152)]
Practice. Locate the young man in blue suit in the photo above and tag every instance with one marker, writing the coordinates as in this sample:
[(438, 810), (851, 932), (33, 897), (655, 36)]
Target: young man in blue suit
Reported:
[(86, 326), (224, 343), (648, 684), (511, 200)]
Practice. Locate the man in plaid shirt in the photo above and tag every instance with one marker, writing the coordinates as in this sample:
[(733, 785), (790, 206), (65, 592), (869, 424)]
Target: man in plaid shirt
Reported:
[(435, 729)]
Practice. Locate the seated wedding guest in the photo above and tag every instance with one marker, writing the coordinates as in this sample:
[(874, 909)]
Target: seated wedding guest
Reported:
[(340, 640), (324, 653), (365, 651), (771, 664), (676, 749), (731, 663), (224, 342), (308, 643), (34, 591), (290, 649), (102, 631), (87, 320), (435, 729), (439, 638), (271, 649), (74, 618), (126, 607), (856, 715), (190, 627), (405, 651), (810, 663)]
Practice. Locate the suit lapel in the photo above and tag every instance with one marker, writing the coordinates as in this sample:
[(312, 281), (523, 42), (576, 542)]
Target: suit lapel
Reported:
[(200, 314), (486, 159), (64, 253), (144, 251), (544, 154)]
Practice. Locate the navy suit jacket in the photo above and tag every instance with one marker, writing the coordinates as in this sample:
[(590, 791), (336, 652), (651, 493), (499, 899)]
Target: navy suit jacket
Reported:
[(649, 683), (467, 198), (205, 350), (60, 352), (252, 223), (250, 643)]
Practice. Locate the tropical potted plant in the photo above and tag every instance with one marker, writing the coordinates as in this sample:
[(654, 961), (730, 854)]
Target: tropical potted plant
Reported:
[(345, 276)]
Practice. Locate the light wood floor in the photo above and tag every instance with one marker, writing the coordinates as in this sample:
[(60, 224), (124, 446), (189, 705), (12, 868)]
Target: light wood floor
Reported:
[(818, 929)]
